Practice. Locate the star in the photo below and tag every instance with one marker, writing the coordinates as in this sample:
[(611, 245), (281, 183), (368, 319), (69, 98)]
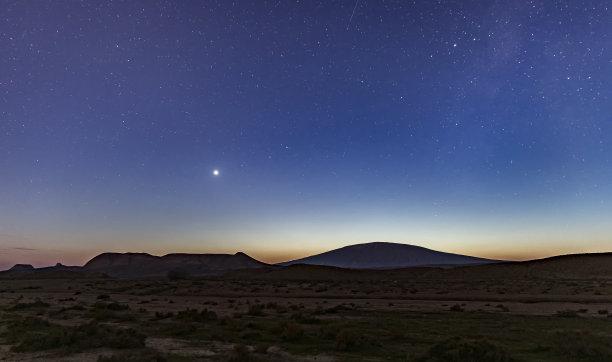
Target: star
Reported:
[(216, 172)]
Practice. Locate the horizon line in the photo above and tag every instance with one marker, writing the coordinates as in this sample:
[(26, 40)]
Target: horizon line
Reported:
[(279, 260)]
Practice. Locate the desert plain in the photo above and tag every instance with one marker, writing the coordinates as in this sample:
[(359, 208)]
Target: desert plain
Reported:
[(556, 309)]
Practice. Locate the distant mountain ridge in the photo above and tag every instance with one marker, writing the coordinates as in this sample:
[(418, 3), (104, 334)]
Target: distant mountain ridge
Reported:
[(383, 255), (375, 255), (241, 266), (142, 264)]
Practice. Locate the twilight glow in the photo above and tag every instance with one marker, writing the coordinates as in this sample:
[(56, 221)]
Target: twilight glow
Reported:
[(287, 128)]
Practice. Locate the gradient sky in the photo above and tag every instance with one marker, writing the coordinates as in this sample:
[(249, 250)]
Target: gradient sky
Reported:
[(476, 127)]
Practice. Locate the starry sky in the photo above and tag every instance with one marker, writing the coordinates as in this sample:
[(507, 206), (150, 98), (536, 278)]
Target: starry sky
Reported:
[(475, 127)]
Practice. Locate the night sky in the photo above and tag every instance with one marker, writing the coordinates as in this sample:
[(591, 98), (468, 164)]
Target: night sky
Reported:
[(475, 127)]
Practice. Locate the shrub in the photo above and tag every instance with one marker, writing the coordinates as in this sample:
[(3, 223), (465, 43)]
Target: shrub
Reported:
[(140, 356), (305, 318), (349, 340), (162, 315), (502, 308), (180, 329), (397, 333), (111, 306), (336, 309), (460, 350), (290, 331), (262, 348), (346, 340), (329, 331), (192, 315), (456, 308), (38, 335), (255, 310), (241, 353), (567, 313), (583, 344), (103, 311), (38, 304)]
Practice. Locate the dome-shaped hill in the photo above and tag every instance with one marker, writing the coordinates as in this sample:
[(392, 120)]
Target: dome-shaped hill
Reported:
[(380, 255)]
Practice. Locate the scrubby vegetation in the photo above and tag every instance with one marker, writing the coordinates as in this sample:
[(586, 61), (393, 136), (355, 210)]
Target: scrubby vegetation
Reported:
[(258, 321), (584, 345), (461, 350), (146, 355), (35, 334)]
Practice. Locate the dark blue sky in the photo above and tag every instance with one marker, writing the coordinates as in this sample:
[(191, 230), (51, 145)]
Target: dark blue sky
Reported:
[(479, 127)]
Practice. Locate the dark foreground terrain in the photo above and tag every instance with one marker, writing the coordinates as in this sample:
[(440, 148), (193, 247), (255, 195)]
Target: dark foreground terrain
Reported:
[(553, 310)]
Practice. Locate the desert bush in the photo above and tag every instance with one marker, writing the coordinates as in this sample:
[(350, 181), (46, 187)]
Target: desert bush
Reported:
[(329, 331), (350, 340), (37, 335), (456, 308), (461, 350), (581, 344), (75, 307), (192, 315), (179, 329), (240, 353), (111, 306), (256, 310), (262, 348), (18, 327), (305, 318), (281, 309), (397, 333), (290, 331), (102, 311), (567, 313), (502, 308), (346, 340), (336, 309), (38, 304), (139, 356), (162, 315)]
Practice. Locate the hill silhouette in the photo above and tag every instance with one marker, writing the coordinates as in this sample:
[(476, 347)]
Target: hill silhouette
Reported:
[(381, 255), (146, 265), (58, 271), (573, 266), (21, 268), (371, 261)]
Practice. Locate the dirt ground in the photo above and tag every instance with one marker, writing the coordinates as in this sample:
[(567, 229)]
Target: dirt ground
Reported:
[(216, 319)]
